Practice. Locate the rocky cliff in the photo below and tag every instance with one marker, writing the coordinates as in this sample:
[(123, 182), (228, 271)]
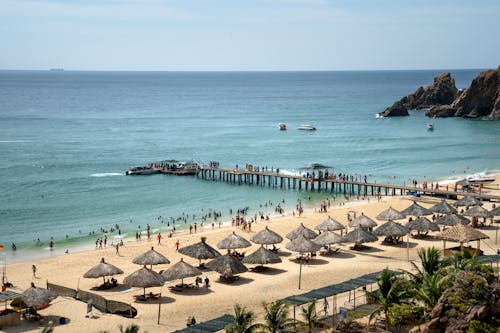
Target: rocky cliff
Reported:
[(481, 99), (441, 92)]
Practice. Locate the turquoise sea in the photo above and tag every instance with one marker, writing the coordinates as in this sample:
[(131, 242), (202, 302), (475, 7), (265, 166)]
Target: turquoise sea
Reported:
[(66, 139)]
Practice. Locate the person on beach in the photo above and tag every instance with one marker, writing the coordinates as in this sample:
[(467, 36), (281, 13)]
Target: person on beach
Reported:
[(89, 308), (177, 244), (33, 268), (117, 247), (325, 304), (51, 245), (207, 282), (159, 238)]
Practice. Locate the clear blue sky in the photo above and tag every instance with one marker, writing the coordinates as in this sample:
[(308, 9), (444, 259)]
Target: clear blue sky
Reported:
[(249, 34)]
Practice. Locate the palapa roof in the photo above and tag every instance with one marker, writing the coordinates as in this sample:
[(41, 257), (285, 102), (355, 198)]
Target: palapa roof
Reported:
[(415, 210), (422, 224), (102, 269), (391, 228), (233, 241), (443, 207), (144, 278), (452, 219), (261, 257), (301, 230), (462, 233), (468, 201), (477, 211), (151, 257), (34, 296), (390, 214), (495, 211), (226, 265), (329, 237), (359, 236), (266, 236), (302, 245), (200, 250), (330, 225), (180, 270), (362, 221)]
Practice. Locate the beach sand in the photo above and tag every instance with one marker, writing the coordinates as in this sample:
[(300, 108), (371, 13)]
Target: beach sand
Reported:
[(251, 290)]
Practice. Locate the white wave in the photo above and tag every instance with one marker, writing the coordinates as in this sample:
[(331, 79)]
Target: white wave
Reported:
[(106, 174), (13, 141)]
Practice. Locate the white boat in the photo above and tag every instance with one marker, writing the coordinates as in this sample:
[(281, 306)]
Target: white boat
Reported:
[(307, 127), (141, 170), (478, 179)]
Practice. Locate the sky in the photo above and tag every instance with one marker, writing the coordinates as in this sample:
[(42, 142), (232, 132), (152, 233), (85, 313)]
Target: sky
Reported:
[(251, 35)]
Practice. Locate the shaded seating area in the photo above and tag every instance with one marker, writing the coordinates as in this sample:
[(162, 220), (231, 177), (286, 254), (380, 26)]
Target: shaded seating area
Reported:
[(213, 325)]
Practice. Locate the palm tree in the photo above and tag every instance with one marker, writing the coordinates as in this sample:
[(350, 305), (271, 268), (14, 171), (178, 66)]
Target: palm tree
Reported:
[(132, 328), (430, 259), (391, 290), (311, 319), (431, 289), (48, 329), (277, 318), (242, 321)]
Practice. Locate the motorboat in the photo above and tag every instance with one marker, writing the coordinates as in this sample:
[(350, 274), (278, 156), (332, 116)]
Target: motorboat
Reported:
[(282, 126), (307, 127), (430, 127), (478, 179), (173, 167), (142, 170)]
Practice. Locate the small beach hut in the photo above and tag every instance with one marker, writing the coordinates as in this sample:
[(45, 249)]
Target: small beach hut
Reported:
[(390, 214), (266, 237), (151, 257), (34, 296), (227, 266), (144, 278), (468, 201), (443, 207), (301, 230), (362, 221), (415, 210), (422, 225), (262, 257), (330, 224), (180, 271), (200, 250), (461, 233), (233, 241), (102, 269)]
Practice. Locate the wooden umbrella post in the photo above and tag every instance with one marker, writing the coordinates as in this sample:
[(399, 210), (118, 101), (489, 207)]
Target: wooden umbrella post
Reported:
[(159, 305), (300, 272)]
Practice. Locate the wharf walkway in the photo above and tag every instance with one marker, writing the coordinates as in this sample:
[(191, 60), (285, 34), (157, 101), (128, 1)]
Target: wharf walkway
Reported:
[(330, 184)]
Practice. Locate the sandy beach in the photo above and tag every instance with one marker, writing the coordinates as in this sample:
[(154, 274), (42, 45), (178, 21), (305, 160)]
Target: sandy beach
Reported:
[(251, 290)]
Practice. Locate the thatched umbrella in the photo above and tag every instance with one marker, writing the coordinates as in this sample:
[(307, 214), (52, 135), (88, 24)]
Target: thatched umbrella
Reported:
[(468, 201), (462, 233), (422, 224), (151, 257), (233, 241), (415, 210), (144, 278), (362, 221), (227, 265), (301, 230), (266, 237), (477, 211), (443, 207), (359, 236), (34, 296), (330, 225), (495, 211), (391, 229), (200, 250), (102, 269), (302, 245), (390, 214), (261, 257), (180, 270), (452, 219), (329, 237)]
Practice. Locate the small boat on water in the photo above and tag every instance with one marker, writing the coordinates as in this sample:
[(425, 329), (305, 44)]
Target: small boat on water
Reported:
[(174, 167), (430, 127), (307, 127), (142, 170), (282, 127)]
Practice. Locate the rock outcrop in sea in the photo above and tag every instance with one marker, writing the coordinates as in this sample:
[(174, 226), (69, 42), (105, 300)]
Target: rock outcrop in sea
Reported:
[(442, 99), (441, 92)]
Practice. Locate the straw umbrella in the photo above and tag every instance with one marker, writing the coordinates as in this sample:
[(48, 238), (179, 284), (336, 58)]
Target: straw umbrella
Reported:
[(151, 257), (227, 265), (391, 229), (233, 241), (301, 230), (495, 211), (390, 214), (452, 219), (144, 278), (102, 269), (180, 270), (261, 257), (359, 236), (477, 211), (462, 233), (330, 225), (422, 224), (443, 207), (266, 237), (415, 210), (302, 245), (362, 221), (200, 251), (468, 201), (34, 296), (329, 237)]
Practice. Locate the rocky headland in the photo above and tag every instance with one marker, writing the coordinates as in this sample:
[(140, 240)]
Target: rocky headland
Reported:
[(442, 98)]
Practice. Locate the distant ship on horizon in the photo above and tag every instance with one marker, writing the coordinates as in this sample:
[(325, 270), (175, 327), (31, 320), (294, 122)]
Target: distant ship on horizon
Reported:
[(56, 69)]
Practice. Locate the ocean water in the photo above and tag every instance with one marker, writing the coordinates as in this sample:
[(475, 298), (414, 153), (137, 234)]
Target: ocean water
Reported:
[(66, 139)]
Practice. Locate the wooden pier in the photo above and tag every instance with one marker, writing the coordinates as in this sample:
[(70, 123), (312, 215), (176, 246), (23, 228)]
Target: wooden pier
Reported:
[(345, 187)]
